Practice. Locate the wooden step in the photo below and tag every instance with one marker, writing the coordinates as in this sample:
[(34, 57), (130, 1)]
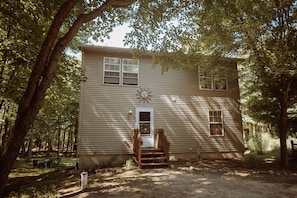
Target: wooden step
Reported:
[(153, 153), (151, 158), (148, 150), (154, 164)]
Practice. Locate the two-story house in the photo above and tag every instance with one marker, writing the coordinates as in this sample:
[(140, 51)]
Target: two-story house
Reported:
[(198, 109)]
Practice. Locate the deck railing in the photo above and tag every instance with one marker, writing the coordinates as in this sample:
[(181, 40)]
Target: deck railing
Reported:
[(137, 143), (162, 142)]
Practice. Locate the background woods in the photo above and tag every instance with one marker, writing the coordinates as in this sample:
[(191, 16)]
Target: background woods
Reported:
[(39, 79), (35, 36)]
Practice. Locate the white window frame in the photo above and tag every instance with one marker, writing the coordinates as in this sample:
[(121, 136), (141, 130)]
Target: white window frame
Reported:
[(220, 75), (130, 72), (213, 76), (106, 62), (214, 119), (201, 71), (121, 72)]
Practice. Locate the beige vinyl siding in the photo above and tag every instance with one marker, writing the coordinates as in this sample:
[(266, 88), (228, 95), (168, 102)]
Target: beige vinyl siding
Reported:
[(180, 108), (105, 125)]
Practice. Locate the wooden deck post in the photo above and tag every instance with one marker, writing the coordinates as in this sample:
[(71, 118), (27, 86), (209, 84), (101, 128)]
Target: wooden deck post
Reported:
[(151, 157)]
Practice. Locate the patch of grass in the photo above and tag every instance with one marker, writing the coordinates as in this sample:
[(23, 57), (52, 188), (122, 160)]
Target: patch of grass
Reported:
[(27, 181), (23, 168), (255, 160), (35, 191), (269, 155), (68, 161)]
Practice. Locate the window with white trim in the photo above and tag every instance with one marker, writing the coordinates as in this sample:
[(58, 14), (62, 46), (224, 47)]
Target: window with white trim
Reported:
[(119, 71), (112, 70), (212, 78), (205, 78), (220, 80), (130, 71), (216, 123)]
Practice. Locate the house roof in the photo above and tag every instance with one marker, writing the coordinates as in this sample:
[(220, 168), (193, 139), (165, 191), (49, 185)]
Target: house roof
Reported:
[(104, 49), (127, 51)]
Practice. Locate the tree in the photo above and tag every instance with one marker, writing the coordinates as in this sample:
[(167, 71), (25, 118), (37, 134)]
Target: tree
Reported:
[(194, 27), (270, 38), (59, 112), (21, 34), (71, 15), (262, 32)]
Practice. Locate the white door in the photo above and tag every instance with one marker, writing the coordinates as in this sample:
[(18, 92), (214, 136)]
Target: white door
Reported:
[(145, 125)]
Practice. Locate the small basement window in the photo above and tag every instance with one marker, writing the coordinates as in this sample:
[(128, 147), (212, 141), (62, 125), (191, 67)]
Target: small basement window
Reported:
[(216, 123)]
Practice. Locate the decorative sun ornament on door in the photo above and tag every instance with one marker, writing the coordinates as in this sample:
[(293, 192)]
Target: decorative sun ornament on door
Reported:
[(144, 95)]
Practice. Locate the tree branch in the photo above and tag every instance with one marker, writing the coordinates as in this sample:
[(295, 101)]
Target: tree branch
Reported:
[(47, 73), (83, 18), (44, 54)]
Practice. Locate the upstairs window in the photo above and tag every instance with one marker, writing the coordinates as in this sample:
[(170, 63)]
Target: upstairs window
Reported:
[(120, 71), (220, 80), (112, 70), (212, 78), (130, 72), (216, 123), (205, 78)]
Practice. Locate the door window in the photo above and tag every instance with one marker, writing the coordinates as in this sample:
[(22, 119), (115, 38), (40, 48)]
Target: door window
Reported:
[(145, 123)]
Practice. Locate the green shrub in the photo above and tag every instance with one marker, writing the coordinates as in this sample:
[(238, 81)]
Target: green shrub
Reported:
[(259, 142), (130, 164)]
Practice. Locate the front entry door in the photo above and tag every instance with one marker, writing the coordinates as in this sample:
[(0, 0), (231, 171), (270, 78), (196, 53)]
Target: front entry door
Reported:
[(145, 125)]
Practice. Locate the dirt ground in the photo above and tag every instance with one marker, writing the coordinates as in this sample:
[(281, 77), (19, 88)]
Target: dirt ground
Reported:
[(187, 179)]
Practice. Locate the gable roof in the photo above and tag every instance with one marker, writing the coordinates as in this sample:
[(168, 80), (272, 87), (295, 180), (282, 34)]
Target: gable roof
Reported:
[(128, 51)]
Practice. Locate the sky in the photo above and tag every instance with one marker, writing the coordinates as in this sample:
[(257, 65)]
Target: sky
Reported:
[(116, 40), (116, 37)]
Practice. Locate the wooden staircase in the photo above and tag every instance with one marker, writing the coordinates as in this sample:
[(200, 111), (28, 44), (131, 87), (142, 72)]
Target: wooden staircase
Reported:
[(151, 157)]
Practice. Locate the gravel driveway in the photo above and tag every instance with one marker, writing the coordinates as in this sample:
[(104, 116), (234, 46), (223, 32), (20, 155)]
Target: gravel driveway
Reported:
[(186, 181)]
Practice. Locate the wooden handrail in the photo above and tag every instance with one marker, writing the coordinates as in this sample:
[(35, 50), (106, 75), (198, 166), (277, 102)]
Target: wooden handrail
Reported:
[(137, 143), (162, 142)]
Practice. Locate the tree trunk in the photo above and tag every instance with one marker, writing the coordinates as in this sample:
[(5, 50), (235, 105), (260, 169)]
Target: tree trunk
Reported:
[(11, 149), (283, 128), (2, 105), (69, 140), (283, 138), (59, 141), (49, 146), (29, 151), (41, 77), (5, 131), (75, 138), (63, 139), (22, 152)]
